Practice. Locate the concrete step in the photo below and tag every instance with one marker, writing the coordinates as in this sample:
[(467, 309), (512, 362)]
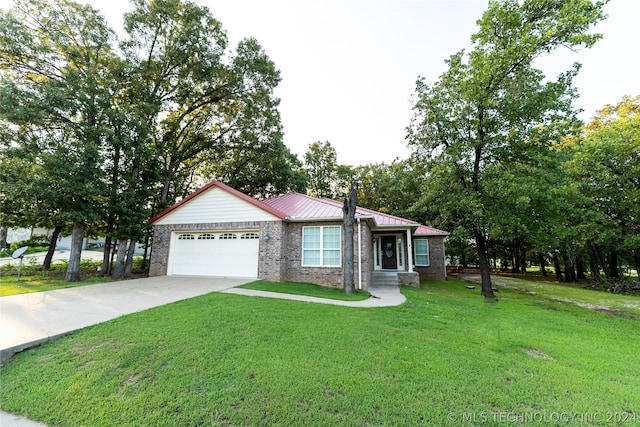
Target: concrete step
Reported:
[(384, 278)]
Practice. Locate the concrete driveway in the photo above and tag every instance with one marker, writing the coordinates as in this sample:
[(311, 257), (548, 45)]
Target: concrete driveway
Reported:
[(30, 319)]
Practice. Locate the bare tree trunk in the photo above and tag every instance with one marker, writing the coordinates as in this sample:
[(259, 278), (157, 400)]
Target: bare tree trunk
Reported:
[(4, 231), (613, 265), (77, 238), (147, 237), (105, 270), (515, 258), (594, 261), (556, 266), (118, 268), (128, 266), (46, 264), (349, 214), (569, 268), (542, 264), (580, 269), (485, 270)]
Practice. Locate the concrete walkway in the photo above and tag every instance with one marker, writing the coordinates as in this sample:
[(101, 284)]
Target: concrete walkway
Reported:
[(383, 296), (28, 320)]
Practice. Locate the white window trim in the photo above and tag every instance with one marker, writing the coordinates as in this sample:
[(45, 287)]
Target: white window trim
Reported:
[(321, 249), (415, 253)]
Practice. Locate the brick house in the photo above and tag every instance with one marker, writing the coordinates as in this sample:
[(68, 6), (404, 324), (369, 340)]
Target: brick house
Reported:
[(219, 231)]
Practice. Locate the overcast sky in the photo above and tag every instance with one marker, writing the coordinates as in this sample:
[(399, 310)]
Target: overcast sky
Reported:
[(349, 67)]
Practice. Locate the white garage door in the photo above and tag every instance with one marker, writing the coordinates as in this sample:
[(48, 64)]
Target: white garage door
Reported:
[(228, 254)]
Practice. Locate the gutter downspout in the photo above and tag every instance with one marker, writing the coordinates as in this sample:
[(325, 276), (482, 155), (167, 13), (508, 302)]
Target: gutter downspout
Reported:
[(359, 255)]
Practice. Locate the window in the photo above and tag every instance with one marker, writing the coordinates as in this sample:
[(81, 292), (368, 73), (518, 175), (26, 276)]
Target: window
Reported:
[(250, 236), (421, 248), (321, 246), (206, 236), (186, 237), (228, 236)]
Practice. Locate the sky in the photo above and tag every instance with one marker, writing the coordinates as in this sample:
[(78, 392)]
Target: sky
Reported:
[(349, 67)]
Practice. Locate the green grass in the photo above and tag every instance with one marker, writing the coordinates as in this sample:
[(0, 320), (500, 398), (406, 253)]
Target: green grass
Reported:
[(308, 289), (588, 298), (444, 357), (9, 285)]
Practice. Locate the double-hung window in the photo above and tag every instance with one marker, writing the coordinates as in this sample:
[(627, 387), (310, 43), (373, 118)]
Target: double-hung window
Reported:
[(321, 246), (421, 249)]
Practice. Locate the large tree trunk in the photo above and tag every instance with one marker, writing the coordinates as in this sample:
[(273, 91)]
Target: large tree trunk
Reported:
[(483, 259), (118, 268), (77, 238), (542, 264), (4, 231), (594, 263), (580, 269), (147, 237), (556, 266), (463, 259), (613, 265), (128, 266), (515, 261), (46, 264), (349, 214), (569, 268), (105, 270)]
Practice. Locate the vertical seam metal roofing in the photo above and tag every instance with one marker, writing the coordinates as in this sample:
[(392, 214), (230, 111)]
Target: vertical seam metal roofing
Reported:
[(300, 206)]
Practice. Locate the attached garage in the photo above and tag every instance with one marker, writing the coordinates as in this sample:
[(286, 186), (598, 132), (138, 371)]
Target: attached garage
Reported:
[(226, 254)]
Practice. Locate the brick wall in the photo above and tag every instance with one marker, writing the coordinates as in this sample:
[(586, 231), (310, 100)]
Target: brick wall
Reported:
[(270, 265), (436, 269), (280, 256), (326, 276)]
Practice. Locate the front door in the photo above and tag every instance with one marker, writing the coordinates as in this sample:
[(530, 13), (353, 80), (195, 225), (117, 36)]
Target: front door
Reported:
[(389, 257)]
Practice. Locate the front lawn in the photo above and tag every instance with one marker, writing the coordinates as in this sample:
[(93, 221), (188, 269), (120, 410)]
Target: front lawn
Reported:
[(9, 285), (445, 357)]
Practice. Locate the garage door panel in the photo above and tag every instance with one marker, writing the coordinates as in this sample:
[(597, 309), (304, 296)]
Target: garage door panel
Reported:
[(215, 256)]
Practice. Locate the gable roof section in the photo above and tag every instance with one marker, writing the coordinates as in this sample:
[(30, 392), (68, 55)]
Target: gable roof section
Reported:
[(226, 188)]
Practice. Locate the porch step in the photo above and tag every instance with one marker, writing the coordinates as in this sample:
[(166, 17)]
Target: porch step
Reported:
[(384, 278)]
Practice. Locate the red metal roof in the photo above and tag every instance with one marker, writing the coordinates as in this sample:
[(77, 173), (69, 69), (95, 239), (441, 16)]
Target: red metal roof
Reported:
[(301, 207), (425, 230)]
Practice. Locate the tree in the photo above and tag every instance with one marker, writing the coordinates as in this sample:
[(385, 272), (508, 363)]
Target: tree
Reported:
[(349, 214), (606, 166), (492, 107), (321, 164), (198, 103), (392, 188), (53, 59)]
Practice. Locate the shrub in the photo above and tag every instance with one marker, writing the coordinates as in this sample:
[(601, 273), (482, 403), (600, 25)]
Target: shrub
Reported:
[(33, 242)]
